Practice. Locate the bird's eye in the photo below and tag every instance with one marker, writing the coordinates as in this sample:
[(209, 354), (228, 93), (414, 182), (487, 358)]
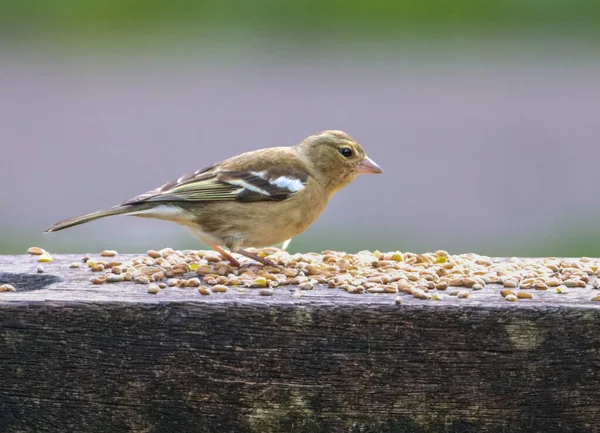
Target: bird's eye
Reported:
[(346, 151)]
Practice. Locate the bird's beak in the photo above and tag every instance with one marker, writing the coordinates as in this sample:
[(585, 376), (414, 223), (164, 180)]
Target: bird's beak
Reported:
[(368, 166)]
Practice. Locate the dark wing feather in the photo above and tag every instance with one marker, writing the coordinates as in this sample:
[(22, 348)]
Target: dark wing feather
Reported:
[(214, 184)]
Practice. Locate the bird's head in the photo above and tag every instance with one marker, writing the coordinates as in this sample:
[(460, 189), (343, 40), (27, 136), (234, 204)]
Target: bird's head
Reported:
[(336, 157)]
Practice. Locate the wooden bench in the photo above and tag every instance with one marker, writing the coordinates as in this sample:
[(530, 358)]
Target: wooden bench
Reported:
[(78, 357)]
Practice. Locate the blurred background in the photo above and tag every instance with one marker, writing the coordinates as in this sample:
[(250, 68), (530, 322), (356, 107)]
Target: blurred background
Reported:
[(485, 116)]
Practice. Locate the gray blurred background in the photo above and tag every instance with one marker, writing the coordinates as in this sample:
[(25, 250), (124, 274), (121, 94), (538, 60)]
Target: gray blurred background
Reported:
[(485, 116)]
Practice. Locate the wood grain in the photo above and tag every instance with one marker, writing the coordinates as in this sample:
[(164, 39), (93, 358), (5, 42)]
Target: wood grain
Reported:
[(113, 358)]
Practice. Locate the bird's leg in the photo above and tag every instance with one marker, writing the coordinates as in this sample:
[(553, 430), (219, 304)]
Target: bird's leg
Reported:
[(256, 257), (225, 254)]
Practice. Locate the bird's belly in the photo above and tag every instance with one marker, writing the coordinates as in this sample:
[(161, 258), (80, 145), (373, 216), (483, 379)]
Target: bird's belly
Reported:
[(258, 225)]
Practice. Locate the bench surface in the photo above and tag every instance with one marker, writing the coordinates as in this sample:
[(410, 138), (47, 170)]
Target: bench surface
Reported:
[(76, 356)]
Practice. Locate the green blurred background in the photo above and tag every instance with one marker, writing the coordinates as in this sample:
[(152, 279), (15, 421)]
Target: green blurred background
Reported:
[(484, 115)]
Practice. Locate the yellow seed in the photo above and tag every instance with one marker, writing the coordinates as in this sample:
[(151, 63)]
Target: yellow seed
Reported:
[(259, 282), (204, 290), (45, 257), (562, 289), (36, 251), (511, 297)]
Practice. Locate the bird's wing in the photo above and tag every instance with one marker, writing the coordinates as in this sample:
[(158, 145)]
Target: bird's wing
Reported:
[(227, 183)]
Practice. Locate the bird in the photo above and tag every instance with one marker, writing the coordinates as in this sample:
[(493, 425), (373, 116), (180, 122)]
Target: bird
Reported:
[(256, 199)]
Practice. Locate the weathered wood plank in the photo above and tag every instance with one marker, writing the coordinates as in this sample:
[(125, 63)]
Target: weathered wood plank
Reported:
[(81, 357)]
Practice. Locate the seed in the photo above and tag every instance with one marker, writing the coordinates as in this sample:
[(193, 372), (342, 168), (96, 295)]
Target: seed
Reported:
[(266, 292), (477, 286), (153, 289), (510, 284), (595, 298), (142, 280), (506, 292), (154, 254), (511, 297), (307, 285), (562, 289), (457, 282), (108, 253), (398, 300), (438, 296), (204, 270), (113, 278), (35, 251), (74, 265), (540, 285), (442, 285), (204, 291), (162, 285), (7, 288), (194, 282), (313, 270), (173, 282), (390, 289), (219, 288), (259, 282), (212, 258), (98, 280), (98, 268), (376, 290), (116, 270), (524, 295), (45, 257), (40, 269), (297, 295), (463, 294)]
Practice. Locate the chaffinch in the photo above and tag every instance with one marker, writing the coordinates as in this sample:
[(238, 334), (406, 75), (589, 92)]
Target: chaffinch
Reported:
[(255, 199)]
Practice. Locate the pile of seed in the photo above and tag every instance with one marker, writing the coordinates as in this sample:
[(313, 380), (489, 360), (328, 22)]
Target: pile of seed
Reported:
[(424, 276)]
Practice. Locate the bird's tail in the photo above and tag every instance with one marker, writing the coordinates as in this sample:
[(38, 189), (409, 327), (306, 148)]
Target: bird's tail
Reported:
[(117, 210)]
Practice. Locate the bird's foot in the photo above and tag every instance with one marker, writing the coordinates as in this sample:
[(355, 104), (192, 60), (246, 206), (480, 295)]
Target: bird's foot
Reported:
[(227, 256), (256, 257)]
